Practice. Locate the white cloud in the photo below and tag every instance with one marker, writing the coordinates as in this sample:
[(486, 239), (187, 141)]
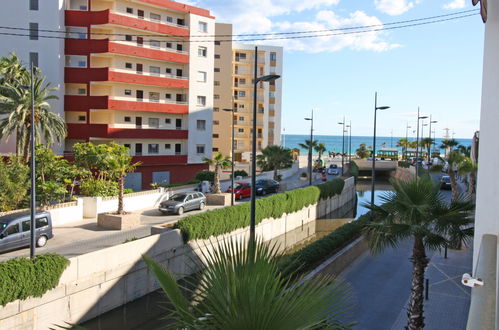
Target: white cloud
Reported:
[(266, 16), (455, 4), (394, 7)]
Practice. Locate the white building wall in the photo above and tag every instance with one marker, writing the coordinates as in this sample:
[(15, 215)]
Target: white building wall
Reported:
[(199, 88), (49, 16), (487, 221)]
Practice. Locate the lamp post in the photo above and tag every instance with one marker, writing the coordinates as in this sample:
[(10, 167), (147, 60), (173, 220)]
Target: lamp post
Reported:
[(417, 144), (310, 147), (232, 158), (32, 165), (373, 174), (429, 135), (256, 80), (349, 141), (283, 137), (406, 139), (342, 145)]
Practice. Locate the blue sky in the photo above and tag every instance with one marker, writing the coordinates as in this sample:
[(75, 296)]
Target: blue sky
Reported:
[(437, 66)]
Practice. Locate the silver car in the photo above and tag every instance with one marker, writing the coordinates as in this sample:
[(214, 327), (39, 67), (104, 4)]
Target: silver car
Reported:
[(179, 203)]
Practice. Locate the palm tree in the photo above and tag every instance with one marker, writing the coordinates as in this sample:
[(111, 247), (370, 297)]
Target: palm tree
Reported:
[(469, 167), (416, 209), (242, 290), (274, 158), (362, 151), (309, 145), (15, 105), (448, 145), (11, 69), (403, 143), (220, 162), (465, 150), (320, 148), (426, 143), (453, 159)]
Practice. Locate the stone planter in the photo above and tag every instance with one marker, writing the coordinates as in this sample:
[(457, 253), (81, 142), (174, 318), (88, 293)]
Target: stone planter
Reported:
[(118, 221), (303, 178), (218, 199)]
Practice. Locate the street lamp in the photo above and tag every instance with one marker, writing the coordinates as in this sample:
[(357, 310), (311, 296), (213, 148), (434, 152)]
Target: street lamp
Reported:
[(429, 134), (417, 143), (342, 145), (310, 147), (32, 166), (256, 80), (373, 174), (232, 157), (349, 142), (406, 139)]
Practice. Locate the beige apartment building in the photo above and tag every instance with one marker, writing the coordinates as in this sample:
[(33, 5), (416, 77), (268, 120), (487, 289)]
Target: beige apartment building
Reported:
[(233, 89)]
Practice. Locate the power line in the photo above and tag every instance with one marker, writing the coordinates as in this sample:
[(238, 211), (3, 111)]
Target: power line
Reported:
[(255, 34), (262, 39)]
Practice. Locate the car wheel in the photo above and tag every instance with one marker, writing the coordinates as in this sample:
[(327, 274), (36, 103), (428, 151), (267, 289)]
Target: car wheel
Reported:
[(180, 210), (201, 206), (41, 241)]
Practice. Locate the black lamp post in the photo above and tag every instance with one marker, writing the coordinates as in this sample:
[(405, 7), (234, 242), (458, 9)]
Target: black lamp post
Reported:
[(373, 174), (232, 158), (349, 141), (342, 146), (256, 80), (417, 144), (406, 139), (310, 147)]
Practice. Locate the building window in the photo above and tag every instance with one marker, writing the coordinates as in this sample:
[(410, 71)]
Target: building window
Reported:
[(216, 83), (33, 4), (168, 146), (154, 43), (82, 118), (202, 51), (272, 69), (240, 130), (33, 58), (168, 96), (33, 31), (178, 148), (128, 92), (153, 122), (203, 27), (169, 19), (242, 81), (154, 70), (272, 94), (138, 149), (217, 69), (153, 148), (216, 109), (202, 100), (216, 96), (240, 56), (155, 17), (128, 65), (217, 56), (273, 56), (241, 106), (128, 37), (215, 136), (168, 121), (127, 145), (168, 71), (215, 149), (179, 47), (201, 125), (217, 43), (241, 94), (200, 149), (168, 45), (82, 91), (180, 21), (129, 10), (241, 119), (201, 76), (153, 97), (216, 122)]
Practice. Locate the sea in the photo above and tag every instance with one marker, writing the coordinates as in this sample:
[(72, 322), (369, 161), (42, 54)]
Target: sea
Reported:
[(334, 142)]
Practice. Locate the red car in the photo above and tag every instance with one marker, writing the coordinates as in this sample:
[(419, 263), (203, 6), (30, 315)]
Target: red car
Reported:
[(242, 190)]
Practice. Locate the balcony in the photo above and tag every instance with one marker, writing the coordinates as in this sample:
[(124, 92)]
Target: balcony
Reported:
[(161, 159), (87, 75), (89, 18), (85, 131), (83, 103), (89, 46), (179, 7)]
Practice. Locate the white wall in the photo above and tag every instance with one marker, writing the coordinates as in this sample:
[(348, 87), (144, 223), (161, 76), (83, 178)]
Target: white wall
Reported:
[(206, 64), (50, 16)]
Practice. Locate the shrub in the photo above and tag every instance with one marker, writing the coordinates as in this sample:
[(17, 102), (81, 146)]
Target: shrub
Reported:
[(127, 190), (21, 278), (194, 181), (242, 173), (354, 169), (404, 164), (14, 183), (206, 176), (97, 187), (227, 219)]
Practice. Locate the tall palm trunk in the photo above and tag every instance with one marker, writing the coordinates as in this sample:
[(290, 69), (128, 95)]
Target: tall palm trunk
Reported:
[(419, 262), (216, 180), (471, 184), (121, 188), (453, 183)]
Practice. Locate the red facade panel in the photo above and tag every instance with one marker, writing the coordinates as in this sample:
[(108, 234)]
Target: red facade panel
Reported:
[(85, 131), (179, 7), (83, 103), (179, 173)]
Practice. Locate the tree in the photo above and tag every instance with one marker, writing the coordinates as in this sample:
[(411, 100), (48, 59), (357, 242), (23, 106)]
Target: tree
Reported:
[(417, 210), (15, 105), (320, 148), (465, 150), (426, 143), (242, 290), (220, 162), (310, 146), (453, 159), (274, 158), (448, 145), (14, 183), (469, 167), (362, 151), (403, 143)]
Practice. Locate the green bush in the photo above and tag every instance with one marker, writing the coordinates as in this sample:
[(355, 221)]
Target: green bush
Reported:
[(97, 187), (21, 278), (227, 219), (127, 190), (242, 173), (311, 255), (206, 176), (14, 183), (354, 169), (194, 181), (404, 164)]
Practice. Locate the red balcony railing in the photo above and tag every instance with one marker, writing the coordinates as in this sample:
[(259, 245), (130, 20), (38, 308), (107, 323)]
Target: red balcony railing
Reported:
[(85, 131)]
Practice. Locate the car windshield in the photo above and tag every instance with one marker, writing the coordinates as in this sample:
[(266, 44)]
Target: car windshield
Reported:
[(261, 182), (240, 186), (3, 225), (446, 179), (178, 197)]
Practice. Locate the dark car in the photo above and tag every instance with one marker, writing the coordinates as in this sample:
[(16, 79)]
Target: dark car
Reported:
[(179, 203), (265, 186), (15, 230), (242, 190), (445, 182)]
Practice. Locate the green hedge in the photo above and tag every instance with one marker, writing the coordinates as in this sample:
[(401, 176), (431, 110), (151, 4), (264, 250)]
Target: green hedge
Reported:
[(21, 278), (227, 219), (311, 255), (354, 169)]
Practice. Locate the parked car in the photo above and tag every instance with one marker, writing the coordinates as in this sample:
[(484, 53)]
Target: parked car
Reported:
[(241, 190), (179, 203), (333, 170), (15, 230), (445, 182), (265, 186)]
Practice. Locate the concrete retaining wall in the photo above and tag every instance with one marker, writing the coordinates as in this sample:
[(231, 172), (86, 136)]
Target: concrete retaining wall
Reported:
[(65, 213), (97, 282)]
